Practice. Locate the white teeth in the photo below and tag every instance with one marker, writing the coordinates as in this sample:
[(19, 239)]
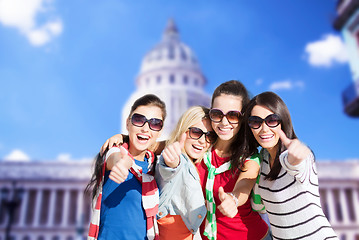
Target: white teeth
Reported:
[(143, 137), (266, 136), (197, 147)]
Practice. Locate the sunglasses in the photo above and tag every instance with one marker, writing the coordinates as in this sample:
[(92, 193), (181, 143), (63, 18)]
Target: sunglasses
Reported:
[(272, 121), (139, 120), (216, 115), (196, 133)]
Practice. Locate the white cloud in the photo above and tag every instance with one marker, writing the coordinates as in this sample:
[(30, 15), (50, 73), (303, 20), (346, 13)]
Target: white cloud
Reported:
[(22, 14), (64, 157), (286, 85), (259, 81), (327, 51), (17, 156)]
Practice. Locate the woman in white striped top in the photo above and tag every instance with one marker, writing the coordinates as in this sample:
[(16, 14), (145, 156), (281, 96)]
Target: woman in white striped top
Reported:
[(288, 181)]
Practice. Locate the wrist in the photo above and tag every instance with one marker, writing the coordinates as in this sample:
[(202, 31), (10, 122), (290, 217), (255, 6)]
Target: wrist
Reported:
[(235, 199)]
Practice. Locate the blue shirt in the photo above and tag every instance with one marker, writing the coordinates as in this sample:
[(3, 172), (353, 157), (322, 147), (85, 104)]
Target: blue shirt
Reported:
[(122, 215)]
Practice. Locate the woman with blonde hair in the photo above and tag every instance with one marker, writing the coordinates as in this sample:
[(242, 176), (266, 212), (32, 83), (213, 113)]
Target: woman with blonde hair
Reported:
[(182, 208)]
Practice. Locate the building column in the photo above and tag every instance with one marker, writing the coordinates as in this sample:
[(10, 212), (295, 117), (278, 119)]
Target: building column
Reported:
[(79, 210), (23, 209), (355, 200), (344, 206), (65, 215), (38, 205), (331, 206), (51, 213)]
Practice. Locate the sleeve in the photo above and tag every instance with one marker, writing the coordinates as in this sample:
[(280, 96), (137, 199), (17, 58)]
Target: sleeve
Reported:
[(302, 171), (112, 150), (165, 173)]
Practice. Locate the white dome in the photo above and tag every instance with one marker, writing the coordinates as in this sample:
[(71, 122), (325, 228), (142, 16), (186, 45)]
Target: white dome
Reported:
[(170, 54)]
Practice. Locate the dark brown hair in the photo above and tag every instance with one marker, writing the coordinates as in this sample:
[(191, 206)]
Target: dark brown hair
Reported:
[(239, 152), (275, 104)]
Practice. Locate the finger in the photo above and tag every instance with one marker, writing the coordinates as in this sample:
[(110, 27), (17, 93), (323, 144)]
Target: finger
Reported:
[(103, 147), (221, 194), (182, 139), (285, 140)]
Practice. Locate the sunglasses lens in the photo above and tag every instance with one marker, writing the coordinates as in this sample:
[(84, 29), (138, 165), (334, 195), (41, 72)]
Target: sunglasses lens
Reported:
[(272, 120), (216, 115), (155, 124), (195, 133), (255, 122), (138, 120), (233, 116), (211, 137)]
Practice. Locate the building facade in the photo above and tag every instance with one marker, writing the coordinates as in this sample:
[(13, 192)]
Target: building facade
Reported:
[(347, 22), (53, 205)]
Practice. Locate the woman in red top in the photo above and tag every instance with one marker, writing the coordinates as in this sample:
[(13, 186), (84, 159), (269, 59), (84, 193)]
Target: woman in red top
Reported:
[(240, 222)]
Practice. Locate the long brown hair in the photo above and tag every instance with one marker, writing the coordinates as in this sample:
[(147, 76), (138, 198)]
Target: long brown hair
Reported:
[(275, 104), (239, 152)]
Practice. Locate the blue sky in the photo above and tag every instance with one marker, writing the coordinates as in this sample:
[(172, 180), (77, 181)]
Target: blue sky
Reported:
[(67, 67)]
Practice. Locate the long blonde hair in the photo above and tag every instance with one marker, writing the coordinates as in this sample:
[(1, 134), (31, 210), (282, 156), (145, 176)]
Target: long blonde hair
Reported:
[(190, 117)]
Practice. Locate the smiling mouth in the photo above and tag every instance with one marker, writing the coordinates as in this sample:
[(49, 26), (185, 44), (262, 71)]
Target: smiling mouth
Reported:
[(143, 138), (266, 137), (197, 148)]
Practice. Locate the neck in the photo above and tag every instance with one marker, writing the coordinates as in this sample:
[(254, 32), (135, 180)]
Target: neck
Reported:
[(272, 153), (138, 155), (222, 148)]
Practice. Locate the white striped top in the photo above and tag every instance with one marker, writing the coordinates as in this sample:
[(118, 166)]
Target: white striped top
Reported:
[(292, 200)]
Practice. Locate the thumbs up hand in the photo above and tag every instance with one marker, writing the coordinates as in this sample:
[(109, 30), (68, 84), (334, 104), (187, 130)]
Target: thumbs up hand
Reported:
[(171, 154), (228, 206), (297, 151), (119, 171)]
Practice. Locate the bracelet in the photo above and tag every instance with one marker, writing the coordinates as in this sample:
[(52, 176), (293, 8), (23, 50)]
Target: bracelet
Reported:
[(234, 198)]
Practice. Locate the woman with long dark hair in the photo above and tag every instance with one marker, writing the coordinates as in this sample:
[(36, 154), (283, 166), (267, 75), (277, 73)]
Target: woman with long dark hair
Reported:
[(288, 181)]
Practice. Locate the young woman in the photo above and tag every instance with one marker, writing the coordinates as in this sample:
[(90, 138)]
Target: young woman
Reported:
[(288, 183), (226, 164), (182, 208), (125, 212)]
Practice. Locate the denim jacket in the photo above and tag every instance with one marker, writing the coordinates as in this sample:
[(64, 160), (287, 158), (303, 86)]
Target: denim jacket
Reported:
[(181, 192)]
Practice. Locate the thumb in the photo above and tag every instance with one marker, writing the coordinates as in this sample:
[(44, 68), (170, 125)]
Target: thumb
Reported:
[(182, 139), (123, 151), (221, 194), (285, 140)]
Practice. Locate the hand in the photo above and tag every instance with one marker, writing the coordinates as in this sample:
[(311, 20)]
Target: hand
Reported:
[(115, 140), (297, 151), (119, 171), (228, 206), (172, 152)]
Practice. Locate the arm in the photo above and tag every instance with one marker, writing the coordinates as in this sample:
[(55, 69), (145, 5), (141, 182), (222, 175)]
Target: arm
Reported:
[(241, 190)]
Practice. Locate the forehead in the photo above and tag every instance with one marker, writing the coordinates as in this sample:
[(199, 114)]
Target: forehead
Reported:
[(261, 111), (149, 111), (204, 125), (227, 103)]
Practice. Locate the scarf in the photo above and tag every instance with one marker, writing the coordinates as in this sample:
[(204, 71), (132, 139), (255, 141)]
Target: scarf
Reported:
[(150, 197), (211, 224)]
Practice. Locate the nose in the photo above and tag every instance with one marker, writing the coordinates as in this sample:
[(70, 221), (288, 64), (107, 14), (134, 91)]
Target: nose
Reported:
[(225, 120), (146, 127), (264, 126), (202, 139)]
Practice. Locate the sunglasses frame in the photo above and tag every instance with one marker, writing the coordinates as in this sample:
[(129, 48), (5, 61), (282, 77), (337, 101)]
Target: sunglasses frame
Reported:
[(279, 120), (206, 134), (225, 115), (149, 121)]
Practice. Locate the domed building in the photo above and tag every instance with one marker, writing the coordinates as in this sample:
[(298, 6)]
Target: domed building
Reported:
[(172, 72)]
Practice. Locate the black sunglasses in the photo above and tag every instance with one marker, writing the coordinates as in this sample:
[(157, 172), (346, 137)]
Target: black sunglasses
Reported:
[(271, 120), (139, 120), (196, 133), (216, 115)]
